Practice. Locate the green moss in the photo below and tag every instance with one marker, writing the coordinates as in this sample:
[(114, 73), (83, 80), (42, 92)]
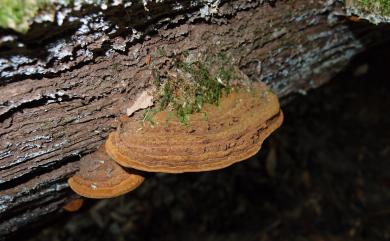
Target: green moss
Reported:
[(15, 14), (381, 7), (148, 116), (161, 52), (197, 83)]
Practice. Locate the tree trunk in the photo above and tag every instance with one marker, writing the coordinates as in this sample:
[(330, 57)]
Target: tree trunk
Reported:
[(62, 88)]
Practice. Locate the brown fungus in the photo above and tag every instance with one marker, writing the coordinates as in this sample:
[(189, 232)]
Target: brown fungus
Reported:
[(217, 137), (74, 205), (101, 177)]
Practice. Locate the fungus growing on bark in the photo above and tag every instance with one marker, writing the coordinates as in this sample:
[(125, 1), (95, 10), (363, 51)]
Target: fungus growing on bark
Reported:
[(217, 137), (74, 205), (101, 177)]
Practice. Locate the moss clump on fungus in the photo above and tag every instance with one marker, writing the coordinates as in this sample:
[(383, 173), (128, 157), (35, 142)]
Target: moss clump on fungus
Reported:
[(233, 132), (194, 84)]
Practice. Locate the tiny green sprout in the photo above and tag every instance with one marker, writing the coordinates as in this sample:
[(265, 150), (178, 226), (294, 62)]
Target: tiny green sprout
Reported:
[(205, 116), (156, 78), (167, 96), (169, 117), (225, 76), (161, 52), (148, 116), (185, 53)]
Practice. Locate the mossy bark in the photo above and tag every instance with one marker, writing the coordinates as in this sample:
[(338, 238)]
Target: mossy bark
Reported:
[(63, 87), (376, 11)]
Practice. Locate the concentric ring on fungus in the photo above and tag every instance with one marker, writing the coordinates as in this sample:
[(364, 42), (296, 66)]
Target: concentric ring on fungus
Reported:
[(228, 133), (101, 177)]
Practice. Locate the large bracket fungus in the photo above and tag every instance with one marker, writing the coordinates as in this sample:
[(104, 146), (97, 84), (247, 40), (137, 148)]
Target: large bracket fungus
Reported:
[(101, 177), (206, 120), (217, 137)]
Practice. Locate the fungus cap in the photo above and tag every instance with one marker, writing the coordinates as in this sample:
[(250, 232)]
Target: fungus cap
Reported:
[(216, 138), (101, 177), (74, 205)]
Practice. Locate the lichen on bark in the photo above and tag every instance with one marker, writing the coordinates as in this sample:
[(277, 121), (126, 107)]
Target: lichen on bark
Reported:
[(375, 11), (19, 15), (381, 7)]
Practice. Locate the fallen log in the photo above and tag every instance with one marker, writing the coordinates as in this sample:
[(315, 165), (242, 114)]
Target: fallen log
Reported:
[(63, 87)]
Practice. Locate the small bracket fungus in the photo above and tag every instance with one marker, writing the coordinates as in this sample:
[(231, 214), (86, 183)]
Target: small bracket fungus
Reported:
[(74, 205), (101, 177), (217, 137)]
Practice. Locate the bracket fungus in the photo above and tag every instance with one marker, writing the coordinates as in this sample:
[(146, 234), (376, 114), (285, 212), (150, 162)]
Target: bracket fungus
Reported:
[(217, 137), (74, 205), (101, 177)]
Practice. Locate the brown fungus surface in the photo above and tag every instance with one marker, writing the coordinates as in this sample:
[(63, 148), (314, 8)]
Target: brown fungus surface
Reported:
[(101, 177), (74, 205), (217, 137)]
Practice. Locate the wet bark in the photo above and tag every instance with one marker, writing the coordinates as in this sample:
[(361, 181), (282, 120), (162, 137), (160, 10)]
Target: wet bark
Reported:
[(63, 89)]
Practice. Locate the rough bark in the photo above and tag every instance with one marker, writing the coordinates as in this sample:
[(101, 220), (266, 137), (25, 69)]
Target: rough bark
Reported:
[(61, 97)]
